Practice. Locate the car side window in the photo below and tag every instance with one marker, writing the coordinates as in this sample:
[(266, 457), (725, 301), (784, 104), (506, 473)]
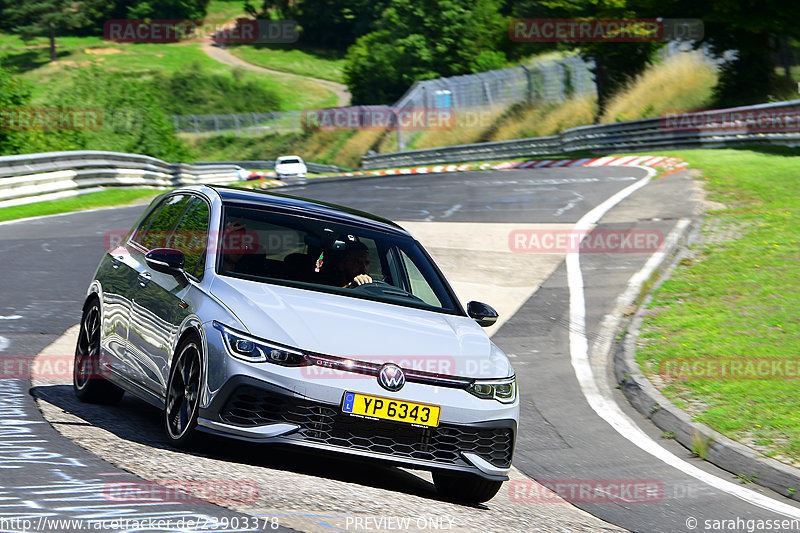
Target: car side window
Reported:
[(139, 233), (419, 285), (163, 223), (190, 237)]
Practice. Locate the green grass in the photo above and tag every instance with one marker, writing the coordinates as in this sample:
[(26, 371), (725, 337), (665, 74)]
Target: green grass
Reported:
[(323, 64), (32, 63), (106, 198), (221, 11), (737, 298)]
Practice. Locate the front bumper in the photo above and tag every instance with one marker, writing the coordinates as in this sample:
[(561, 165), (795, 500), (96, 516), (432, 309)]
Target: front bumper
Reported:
[(249, 409)]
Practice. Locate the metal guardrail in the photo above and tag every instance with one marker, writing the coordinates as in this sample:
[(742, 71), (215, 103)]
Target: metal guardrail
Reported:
[(316, 168), (632, 136), (37, 177)]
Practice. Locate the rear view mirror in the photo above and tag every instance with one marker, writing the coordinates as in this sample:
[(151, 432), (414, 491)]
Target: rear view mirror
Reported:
[(484, 314), (166, 260)]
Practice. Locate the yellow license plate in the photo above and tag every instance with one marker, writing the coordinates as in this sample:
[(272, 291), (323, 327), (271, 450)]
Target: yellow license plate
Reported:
[(388, 409)]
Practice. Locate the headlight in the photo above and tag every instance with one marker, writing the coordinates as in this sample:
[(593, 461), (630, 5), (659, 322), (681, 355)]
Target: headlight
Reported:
[(254, 350), (502, 390)]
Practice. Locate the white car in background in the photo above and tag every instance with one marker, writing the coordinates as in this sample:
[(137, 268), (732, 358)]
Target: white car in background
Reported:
[(290, 166)]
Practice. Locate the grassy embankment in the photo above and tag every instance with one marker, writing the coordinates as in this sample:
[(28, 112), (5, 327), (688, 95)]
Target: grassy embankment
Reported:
[(683, 82), (736, 299), (107, 198), (141, 60)]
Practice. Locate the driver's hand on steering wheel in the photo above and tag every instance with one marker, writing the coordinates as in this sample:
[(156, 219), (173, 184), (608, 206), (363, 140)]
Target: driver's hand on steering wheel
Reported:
[(361, 279)]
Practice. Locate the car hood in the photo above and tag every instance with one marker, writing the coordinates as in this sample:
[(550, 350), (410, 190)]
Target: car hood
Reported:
[(362, 329)]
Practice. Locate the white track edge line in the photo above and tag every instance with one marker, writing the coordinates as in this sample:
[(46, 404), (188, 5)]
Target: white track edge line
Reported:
[(605, 406)]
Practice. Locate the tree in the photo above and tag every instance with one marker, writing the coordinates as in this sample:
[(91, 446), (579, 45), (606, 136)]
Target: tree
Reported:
[(614, 62), (267, 9), (336, 23), (133, 116), (424, 39), (167, 9), (47, 18), (754, 29), (13, 94)]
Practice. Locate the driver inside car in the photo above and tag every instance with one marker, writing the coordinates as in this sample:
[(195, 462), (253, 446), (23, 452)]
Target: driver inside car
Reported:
[(353, 267)]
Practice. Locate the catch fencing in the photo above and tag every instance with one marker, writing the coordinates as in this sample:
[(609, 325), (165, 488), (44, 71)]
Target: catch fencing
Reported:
[(542, 82)]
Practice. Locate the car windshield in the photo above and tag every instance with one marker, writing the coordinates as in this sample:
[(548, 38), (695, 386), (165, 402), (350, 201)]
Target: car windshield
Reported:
[(288, 161), (314, 254)]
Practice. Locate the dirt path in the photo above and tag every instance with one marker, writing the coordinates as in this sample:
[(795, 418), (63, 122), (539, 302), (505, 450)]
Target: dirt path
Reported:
[(220, 54)]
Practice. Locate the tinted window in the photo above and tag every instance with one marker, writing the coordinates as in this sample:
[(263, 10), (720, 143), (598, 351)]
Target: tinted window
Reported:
[(137, 236), (191, 235), (319, 255), (163, 223), (416, 279)]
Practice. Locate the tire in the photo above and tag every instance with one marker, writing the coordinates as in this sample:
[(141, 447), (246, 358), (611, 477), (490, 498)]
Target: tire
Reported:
[(87, 375), (183, 394), (465, 488)]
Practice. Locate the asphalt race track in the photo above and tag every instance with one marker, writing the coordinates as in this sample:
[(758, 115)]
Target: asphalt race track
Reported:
[(465, 220)]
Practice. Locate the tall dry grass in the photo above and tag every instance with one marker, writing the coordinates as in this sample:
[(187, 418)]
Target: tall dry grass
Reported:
[(470, 126), (349, 154), (544, 120), (680, 83)]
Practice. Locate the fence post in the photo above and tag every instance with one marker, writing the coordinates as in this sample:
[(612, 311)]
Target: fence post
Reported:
[(236, 123), (400, 146)]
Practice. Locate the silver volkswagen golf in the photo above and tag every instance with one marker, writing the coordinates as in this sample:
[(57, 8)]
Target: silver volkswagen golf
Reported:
[(274, 319)]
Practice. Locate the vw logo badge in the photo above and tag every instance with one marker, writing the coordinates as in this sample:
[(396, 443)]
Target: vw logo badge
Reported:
[(391, 377)]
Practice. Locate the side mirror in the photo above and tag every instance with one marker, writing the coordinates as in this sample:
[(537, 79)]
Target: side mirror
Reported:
[(484, 314), (166, 260)]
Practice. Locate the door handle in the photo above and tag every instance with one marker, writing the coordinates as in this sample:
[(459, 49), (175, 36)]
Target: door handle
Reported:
[(144, 278)]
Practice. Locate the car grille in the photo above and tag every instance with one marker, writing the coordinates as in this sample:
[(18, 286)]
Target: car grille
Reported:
[(251, 406)]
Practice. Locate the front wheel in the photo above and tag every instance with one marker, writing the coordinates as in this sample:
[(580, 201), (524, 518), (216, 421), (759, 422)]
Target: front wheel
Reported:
[(87, 373), (465, 488), (183, 395)]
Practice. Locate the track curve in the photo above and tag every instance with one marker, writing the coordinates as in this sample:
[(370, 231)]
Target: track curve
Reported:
[(464, 220)]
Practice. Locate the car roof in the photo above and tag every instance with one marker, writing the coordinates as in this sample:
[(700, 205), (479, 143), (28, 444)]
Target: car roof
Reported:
[(306, 207), (281, 158)]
